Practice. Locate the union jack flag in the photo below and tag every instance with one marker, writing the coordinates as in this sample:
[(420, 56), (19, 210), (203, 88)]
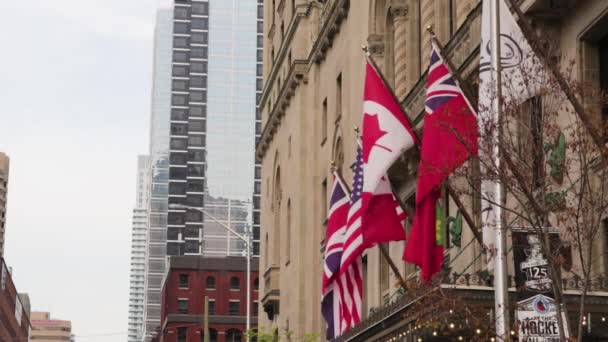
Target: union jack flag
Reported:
[(441, 86), (342, 291)]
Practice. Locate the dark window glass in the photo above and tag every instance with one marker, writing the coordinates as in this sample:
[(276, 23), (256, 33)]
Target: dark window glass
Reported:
[(258, 114), (234, 335), (196, 185), (182, 306), (258, 69), (257, 187), (233, 308), (200, 8), (184, 281), (197, 140), (198, 52), (179, 85), (256, 233), (173, 234), (178, 143), (210, 283), (181, 28), (181, 42), (174, 248), (196, 126), (179, 100), (256, 248), (194, 200), (181, 12), (175, 218), (260, 41), (254, 309), (195, 215), (179, 129), (177, 200), (196, 155), (191, 232), (198, 96), (198, 82), (178, 158), (256, 201), (260, 55), (199, 38), (180, 70), (258, 127), (179, 114), (260, 26), (235, 283), (258, 84), (181, 56), (198, 67), (176, 188), (256, 286), (211, 307), (182, 333), (256, 217), (177, 173), (198, 111), (260, 12), (258, 171), (191, 246), (200, 23)]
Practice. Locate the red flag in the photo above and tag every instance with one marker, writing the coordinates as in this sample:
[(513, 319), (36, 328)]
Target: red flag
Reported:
[(375, 215), (450, 137)]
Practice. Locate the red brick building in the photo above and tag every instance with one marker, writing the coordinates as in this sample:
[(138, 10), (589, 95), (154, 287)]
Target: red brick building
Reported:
[(14, 322), (189, 279)]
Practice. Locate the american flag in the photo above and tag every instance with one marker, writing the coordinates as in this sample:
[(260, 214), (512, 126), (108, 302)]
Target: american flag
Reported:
[(342, 291)]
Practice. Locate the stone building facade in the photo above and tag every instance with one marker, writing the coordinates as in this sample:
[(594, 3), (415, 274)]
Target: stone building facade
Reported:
[(313, 86)]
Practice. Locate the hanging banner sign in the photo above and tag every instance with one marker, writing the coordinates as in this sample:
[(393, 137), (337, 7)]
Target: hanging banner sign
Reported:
[(536, 314)]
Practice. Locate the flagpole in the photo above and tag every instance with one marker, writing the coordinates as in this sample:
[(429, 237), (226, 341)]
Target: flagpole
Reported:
[(495, 217)]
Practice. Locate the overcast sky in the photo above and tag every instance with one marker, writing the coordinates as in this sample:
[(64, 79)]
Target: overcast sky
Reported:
[(75, 79)]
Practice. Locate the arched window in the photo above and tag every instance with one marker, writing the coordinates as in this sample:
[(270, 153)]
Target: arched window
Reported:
[(235, 283), (234, 335), (210, 283), (256, 284)]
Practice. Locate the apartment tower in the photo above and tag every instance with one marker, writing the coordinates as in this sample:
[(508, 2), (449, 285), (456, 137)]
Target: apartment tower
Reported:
[(138, 252)]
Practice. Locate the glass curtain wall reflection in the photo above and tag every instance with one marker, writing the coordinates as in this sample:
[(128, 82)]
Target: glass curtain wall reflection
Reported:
[(213, 127), (159, 171)]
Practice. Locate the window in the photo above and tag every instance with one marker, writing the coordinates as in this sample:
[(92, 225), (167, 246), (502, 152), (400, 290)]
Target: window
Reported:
[(199, 38), (196, 170), (198, 52), (197, 140), (234, 335), (177, 188), (179, 129), (339, 97), (182, 306), (181, 56), (196, 156), (181, 28), (196, 126), (198, 96), (198, 67), (191, 246), (181, 13), (177, 173), (197, 111), (183, 281), (182, 334), (212, 335), (198, 82), (181, 42), (211, 307), (200, 8), (254, 309), (324, 122), (235, 283), (179, 100), (233, 308), (180, 85), (200, 24), (180, 70), (177, 158), (256, 284), (210, 283), (179, 114), (178, 143)]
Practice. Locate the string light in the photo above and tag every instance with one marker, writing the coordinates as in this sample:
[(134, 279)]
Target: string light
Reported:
[(492, 339), (603, 319), (512, 332), (452, 325), (434, 333), (478, 331), (460, 338)]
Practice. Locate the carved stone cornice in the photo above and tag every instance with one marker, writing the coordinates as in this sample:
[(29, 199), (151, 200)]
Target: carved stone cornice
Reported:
[(332, 15), (375, 44), (297, 74)]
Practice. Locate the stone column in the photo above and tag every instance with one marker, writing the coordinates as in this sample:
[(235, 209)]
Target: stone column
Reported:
[(399, 12)]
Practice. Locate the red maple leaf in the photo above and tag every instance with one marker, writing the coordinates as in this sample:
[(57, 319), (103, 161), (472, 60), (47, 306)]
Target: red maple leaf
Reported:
[(371, 134)]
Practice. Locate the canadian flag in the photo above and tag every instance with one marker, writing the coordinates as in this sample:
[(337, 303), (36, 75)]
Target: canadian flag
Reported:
[(375, 216)]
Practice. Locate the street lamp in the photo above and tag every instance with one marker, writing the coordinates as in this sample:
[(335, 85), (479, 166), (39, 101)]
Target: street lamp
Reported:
[(246, 239)]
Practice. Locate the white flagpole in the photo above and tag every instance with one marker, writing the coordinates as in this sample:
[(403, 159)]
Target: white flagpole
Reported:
[(501, 305)]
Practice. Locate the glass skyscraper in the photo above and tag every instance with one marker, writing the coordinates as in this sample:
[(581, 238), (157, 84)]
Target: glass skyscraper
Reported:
[(213, 125), (156, 238)]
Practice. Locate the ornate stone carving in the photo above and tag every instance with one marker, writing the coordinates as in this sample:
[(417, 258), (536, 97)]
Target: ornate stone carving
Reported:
[(375, 44)]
